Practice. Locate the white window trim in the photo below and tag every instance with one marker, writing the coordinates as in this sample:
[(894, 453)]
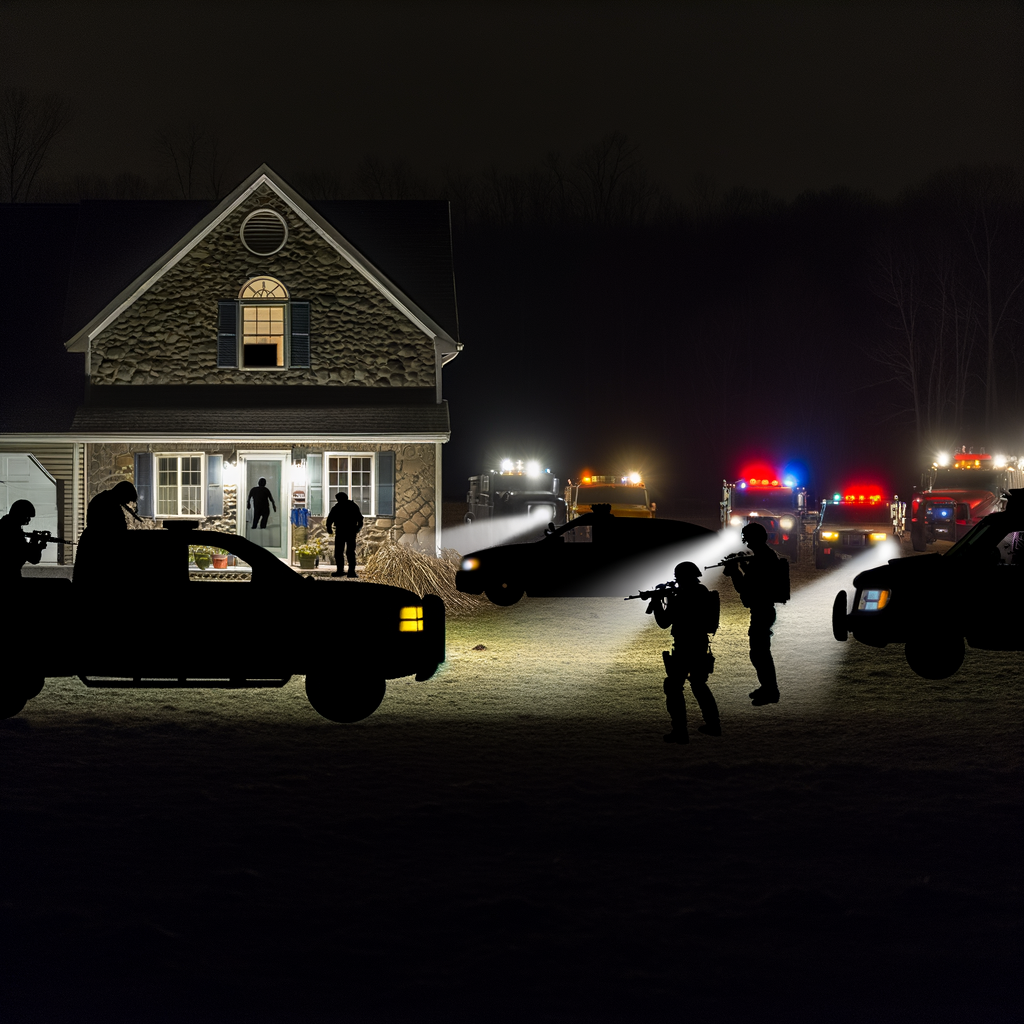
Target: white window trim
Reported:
[(157, 456), (329, 490)]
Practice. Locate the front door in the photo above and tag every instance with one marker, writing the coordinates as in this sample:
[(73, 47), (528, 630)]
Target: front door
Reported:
[(270, 531)]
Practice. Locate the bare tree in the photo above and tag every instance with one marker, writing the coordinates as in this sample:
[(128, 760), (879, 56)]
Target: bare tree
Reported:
[(28, 126), (196, 160), (375, 179)]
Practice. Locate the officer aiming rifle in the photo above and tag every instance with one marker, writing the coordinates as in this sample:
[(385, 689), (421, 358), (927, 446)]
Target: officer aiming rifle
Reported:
[(686, 605), (43, 537)]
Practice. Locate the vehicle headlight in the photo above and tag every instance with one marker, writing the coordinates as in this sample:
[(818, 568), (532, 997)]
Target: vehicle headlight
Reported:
[(786, 522), (410, 619), (879, 536), (469, 564), (873, 600), (829, 535), (735, 520)]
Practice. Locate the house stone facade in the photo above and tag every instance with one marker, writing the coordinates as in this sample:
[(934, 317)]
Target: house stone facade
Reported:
[(315, 366)]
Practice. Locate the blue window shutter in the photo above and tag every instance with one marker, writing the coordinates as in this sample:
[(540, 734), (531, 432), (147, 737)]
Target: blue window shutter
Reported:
[(300, 334), (385, 483), (215, 485), (315, 477), (227, 334), (144, 483)]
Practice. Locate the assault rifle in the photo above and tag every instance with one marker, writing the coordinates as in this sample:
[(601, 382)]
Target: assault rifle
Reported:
[(43, 537), (739, 556), (661, 590)]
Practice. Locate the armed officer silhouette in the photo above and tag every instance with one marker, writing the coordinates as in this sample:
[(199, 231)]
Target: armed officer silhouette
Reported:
[(692, 612), (15, 547), (756, 579)]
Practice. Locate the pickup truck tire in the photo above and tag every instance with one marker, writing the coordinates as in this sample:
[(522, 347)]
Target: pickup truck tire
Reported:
[(344, 700), (12, 700), (505, 593), (935, 655), (917, 540)]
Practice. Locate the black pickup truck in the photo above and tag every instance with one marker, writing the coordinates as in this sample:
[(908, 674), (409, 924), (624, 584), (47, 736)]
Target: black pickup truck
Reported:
[(134, 616), (934, 603)]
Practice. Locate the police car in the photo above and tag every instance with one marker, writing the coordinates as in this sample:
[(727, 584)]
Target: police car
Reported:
[(934, 603), (855, 519), (164, 626), (572, 560)]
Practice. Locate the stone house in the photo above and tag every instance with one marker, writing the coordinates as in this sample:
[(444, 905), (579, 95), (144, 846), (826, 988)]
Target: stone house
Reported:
[(262, 337)]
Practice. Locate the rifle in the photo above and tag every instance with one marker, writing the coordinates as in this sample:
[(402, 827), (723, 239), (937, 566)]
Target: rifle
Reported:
[(661, 590), (739, 556), (43, 537)]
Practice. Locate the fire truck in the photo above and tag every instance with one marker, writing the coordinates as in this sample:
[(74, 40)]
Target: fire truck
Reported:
[(772, 499), (959, 489), (516, 489), (627, 496), (854, 520)]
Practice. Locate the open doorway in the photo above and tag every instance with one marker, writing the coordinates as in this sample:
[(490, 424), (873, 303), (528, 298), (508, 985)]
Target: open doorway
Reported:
[(270, 532)]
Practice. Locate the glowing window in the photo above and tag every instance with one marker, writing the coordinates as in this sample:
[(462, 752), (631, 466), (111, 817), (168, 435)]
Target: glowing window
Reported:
[(264, 305), (410, 619), (179, 485)]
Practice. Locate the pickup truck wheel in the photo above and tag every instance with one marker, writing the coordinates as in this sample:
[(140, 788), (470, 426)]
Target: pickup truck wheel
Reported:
[(917, 540), (839, 628), (344, 700), (12, 700), (934, 655), (505, 593)]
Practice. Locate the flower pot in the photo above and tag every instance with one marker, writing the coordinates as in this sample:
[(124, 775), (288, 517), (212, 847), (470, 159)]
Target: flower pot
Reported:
[(202, 561), (307, 561), (220, 561)]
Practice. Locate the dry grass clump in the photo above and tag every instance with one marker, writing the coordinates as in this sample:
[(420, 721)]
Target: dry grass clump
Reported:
[(401, 566)]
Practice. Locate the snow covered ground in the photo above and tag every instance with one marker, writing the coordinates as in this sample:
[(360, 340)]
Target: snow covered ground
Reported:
[(513, 841)]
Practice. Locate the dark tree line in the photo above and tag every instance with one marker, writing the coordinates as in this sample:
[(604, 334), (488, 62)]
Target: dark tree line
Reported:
[(602, 314)]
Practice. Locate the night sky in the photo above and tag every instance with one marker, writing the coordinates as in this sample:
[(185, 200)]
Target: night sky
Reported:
[(791, 98)]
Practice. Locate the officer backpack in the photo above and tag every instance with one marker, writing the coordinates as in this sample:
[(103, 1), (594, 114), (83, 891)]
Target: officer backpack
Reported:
[(711, 612), (780, 590)]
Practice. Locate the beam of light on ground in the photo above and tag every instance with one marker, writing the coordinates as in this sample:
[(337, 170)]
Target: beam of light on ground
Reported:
[(806, 653), (489, 533)]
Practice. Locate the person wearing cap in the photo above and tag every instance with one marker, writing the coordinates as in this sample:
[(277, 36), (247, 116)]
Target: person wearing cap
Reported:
[(685, 608), (15, 548), (348, 520), (754, 578)]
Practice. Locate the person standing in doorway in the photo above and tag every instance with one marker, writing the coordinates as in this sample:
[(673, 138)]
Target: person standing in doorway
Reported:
[(348, 520), (260, 500)]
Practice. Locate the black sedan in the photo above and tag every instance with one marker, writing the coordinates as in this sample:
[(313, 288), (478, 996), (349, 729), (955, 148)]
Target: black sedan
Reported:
[(934, 603), (576, 559), (135, 616)]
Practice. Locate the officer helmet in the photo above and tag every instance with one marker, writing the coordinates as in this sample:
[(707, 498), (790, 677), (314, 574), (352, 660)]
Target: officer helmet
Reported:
[(341, 496), (684, 569), (22, 510), (754, 533)]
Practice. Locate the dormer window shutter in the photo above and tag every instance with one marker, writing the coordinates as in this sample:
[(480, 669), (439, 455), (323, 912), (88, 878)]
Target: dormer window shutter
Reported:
[(227, 334), (300, 335), (385, 484), (144, 483)]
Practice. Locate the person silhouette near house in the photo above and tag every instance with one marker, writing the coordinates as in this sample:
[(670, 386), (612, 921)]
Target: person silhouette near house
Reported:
[(260, 499), (106, 511), (346, 518), (755, 580), (687, 609), (15, 548)]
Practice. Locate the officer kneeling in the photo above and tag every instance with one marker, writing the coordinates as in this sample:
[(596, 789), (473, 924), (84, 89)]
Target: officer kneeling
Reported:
[(692, 612)]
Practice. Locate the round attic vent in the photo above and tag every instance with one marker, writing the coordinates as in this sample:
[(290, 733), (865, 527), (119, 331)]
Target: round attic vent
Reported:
[(264, 232)]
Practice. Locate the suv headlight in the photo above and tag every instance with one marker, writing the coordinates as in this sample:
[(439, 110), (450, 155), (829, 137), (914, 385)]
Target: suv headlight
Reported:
[(829, 535), (469, 564), (873, 600), (879, 536), (786, 522)]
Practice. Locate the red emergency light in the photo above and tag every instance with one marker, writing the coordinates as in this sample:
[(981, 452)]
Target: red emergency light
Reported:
[(860, 493), (759, 474)]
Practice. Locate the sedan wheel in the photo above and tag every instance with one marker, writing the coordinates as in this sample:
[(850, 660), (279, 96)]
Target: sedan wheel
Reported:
[(839, 628), (344, 700), (505, 593)]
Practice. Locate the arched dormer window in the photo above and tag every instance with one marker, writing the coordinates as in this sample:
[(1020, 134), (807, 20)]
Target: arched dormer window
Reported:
[(264, 329)]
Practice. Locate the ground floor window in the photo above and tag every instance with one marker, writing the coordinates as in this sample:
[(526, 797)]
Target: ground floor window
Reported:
[(352, 474), (179, 485)]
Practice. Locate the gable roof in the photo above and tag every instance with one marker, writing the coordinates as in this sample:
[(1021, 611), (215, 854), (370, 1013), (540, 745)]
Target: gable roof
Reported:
[(123, 248)]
